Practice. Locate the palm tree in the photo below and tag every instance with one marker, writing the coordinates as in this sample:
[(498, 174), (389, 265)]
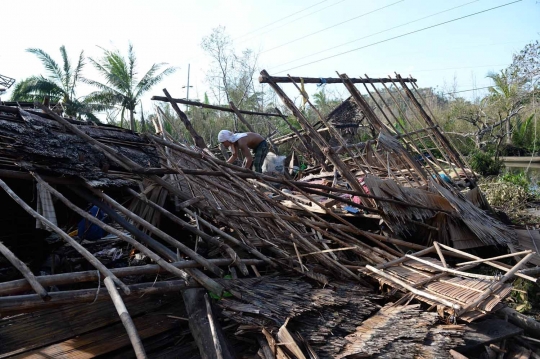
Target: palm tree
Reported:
[(59, 84), (506, 96), (121, 86)]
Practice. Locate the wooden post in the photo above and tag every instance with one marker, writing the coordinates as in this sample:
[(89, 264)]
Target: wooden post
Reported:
[(83, 251), (317, 155), (25, 271), (126, 319), (199, 141), (199, 324)]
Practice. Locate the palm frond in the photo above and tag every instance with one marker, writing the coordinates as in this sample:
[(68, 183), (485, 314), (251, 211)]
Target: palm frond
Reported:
[(77, 73), (67, 69), (50, 65), (150, 80)]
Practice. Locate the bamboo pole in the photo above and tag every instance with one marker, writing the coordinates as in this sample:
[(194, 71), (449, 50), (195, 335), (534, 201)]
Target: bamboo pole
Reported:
[(126, 319), (202, 221), (197, 139), (22, 285), (240, 116), (450, 270), (405, 258), (206, 237), (30, 302), (199, 276), (493, 258), (25, 271), (439, 253), (83, 251), (164, 236), (493, 264)]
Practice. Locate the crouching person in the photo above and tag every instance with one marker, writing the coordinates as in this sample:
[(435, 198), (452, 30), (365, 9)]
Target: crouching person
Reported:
[(245, 142)]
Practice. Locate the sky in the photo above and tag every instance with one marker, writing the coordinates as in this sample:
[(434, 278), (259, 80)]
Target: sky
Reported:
[(307, 38)]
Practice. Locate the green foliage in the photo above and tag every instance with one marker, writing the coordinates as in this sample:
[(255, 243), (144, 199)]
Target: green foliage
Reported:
[(484, 163), (122, 86), (59, 85), (524, 296), (518, 179)]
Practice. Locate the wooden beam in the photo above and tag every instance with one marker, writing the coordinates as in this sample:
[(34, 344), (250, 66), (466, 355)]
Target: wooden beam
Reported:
[(199, 141), (22, 285), (31, 302), (265, 79), (240, 117), (212, 107)]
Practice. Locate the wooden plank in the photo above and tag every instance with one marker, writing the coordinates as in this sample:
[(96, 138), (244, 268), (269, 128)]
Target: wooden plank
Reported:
[(108, 339), (29, 331), (486, 332)]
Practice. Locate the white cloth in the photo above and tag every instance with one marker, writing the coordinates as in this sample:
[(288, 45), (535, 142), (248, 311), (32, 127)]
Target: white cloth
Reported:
[(225, 135)]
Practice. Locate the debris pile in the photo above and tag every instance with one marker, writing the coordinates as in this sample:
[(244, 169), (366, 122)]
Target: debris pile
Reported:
[(202, 258)]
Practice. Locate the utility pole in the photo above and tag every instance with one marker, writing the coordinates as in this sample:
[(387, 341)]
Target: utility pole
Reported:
[(187, 87)]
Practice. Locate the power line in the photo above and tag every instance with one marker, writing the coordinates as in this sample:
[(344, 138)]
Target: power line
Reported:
[(283, 18), (376, 33), (459, 68), (295, 20), (330, 27), (474, 89), (402, 35)]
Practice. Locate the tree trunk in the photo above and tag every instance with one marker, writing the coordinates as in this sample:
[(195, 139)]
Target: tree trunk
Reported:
[(508, 134), (132, 120)]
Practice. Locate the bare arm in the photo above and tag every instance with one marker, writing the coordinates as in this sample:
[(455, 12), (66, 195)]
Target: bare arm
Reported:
[(247, 154), (234, 151)]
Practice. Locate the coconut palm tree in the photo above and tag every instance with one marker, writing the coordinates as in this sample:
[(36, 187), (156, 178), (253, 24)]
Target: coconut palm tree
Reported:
[(121, 86), (59, 84), (505, 96)]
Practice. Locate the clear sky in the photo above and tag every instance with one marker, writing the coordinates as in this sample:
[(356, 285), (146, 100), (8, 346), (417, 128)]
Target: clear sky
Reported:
[(288, 34)]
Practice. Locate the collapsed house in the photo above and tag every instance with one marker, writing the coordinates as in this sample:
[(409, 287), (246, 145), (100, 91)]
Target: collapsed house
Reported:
[(207, 259)]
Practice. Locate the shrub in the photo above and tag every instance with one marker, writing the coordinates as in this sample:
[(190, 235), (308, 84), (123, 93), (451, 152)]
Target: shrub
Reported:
[(485, 164)]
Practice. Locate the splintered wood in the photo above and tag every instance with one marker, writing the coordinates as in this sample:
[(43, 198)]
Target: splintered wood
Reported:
[(402, 332)]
